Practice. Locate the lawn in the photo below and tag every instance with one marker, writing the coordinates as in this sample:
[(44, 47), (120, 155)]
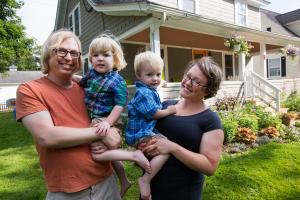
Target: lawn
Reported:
[(270, 172)]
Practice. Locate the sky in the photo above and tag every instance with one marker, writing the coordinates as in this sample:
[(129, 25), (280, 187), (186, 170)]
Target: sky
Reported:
[(38, 16)]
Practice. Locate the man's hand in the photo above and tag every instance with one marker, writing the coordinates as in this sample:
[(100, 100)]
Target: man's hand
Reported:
[(98, 147), (112, 139)]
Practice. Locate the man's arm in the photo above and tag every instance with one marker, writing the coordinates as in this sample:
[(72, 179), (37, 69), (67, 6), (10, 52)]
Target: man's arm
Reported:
[(41, 127)]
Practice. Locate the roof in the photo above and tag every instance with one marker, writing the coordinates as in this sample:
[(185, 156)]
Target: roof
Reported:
[(289, 17), (20, 76), (269, 19)]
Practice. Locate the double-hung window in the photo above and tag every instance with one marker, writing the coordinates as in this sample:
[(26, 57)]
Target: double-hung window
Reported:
[(186, 5), (240, 12), (274, 67), (74, 20)]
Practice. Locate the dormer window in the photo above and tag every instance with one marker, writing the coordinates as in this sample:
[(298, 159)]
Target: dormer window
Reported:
[(74, 20), (240, 12), (186, 5)]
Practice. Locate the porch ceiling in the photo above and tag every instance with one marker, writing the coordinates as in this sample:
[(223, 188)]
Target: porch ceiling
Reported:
[(183, 38)]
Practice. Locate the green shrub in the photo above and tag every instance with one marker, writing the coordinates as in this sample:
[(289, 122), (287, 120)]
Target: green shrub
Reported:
[(266, 119), (292, 102), (246, 120), (229, 127), (297, 124), (291, 134)]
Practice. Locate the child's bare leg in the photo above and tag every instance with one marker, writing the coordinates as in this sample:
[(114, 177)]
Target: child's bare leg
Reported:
[(121, 154), (120, 171), (144, 181)]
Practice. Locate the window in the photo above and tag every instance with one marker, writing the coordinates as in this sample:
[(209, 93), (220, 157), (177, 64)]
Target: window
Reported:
[(74, 20), (274, 67), (85, 65), (229, 67), (186, 5), (240, 12)]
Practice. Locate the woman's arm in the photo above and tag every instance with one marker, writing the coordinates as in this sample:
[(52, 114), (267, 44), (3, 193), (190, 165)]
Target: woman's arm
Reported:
[(206, 161), (41, 127)]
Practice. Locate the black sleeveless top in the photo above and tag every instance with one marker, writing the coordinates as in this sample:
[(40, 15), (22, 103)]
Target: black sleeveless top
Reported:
[(175, 181)]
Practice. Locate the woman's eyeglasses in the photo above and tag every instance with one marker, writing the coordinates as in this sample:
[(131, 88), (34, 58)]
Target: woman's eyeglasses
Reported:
[(64, 52), (195, 83)]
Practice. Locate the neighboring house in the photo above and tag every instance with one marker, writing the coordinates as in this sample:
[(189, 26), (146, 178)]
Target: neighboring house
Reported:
[(182, 30), (10, 81)]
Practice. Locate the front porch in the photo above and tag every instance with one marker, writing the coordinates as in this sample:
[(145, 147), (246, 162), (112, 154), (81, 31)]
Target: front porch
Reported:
[(177, 46)]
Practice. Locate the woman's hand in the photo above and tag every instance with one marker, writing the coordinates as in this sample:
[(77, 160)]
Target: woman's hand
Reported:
[(157, 146)]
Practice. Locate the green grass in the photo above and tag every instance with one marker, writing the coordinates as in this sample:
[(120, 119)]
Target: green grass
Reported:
[(270, 172)]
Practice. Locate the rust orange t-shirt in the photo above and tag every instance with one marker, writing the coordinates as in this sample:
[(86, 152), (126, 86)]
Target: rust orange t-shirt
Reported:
[(65, 169)]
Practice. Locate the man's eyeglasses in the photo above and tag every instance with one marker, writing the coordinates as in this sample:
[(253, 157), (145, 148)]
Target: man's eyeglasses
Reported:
[(64, 52), (195, 83)]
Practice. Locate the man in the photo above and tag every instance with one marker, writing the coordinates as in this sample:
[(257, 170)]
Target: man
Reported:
[(52, 109)]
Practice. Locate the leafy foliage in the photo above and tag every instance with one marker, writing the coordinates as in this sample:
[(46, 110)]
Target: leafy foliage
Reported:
[(271, 132), (292, 102), (15, 47), (245, 135), (225, 103), (229, 127), (248, 121)]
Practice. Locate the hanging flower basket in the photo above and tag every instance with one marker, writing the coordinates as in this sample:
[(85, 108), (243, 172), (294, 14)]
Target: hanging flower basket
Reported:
[(238, 44), (291, 50)]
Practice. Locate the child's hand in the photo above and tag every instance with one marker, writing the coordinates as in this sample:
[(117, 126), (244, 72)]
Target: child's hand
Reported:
[(163, 83), (102, 128), (172, 109)]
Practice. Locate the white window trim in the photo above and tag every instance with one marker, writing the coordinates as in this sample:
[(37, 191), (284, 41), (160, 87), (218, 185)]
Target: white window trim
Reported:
[(274, 77), (236, 12), (180, 5), (72, 13)]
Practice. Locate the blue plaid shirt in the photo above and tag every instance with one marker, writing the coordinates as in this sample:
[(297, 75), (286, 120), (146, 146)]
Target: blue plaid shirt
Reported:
[(141, 109), (103, 92)]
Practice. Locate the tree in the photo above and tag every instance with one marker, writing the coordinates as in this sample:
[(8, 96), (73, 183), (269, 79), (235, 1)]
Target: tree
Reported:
[(15, 47)]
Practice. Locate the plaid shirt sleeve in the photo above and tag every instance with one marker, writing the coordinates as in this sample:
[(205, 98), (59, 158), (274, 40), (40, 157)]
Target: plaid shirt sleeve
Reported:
[(145, 104), (120, 92)]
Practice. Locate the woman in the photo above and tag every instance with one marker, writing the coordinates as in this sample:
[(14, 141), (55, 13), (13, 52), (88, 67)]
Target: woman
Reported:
[(52, 109), (194, 133)]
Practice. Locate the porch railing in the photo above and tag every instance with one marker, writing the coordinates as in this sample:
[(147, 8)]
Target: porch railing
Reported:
[(5, 108), (258, 87)]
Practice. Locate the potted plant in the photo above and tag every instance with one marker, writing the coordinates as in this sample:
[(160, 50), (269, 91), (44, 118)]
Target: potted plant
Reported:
[(238, 44), (291, 50)]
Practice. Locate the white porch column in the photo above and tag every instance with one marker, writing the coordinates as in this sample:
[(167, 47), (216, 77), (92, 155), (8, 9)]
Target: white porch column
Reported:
[(242, 70), (154, 37), (242, 66), (263, 63)]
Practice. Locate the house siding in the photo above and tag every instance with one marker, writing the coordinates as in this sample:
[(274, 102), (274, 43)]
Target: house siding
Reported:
[(94, 23), (222, 10), (253, 17)]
